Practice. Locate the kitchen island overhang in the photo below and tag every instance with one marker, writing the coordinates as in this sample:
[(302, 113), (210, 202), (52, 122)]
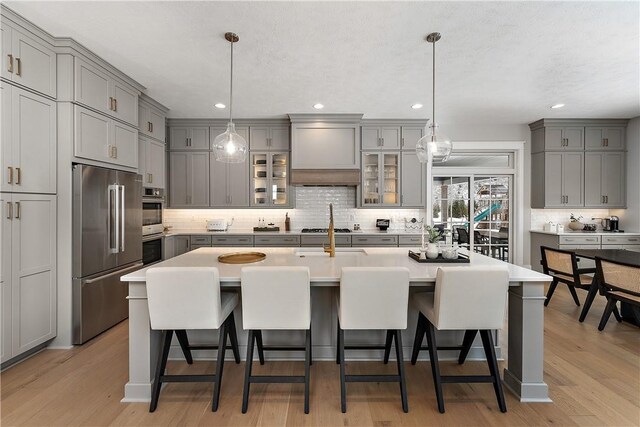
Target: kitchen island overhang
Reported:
[(523, 374)]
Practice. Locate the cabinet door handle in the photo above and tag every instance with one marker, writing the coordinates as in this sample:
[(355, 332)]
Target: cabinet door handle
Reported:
[(386, 240), (10, 65), (17, 210), (9, 210), (18, 67), (633, 240), (111, 103), (18, 176), (188, 142), (115, 152), (606, 199), (606, 142), (10, 178), (402, 142)]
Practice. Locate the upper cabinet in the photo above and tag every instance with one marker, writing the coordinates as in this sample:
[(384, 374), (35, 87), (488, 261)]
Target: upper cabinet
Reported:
[(28, 145), (189, 138), (563, 138), (381, 138), (100, 91), (228, 182), (604, 180), (189, 179), (599, 138), (151, 161), (413, 181), (410, 136), (28, 61), (151, 118), (269, 138)]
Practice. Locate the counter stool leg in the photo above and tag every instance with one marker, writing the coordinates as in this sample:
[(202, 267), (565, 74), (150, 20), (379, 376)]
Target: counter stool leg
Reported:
[(572, 289), (233, 335), (552, 289), (490, 353), (338, 343), (184, 345), (343, 384), (247, 372), (469, 336), (222, 346), (307, 367), (400, 360), (435, 368), (160, 367), (258, 335), (387, 346), (310, 348), (417, 341)]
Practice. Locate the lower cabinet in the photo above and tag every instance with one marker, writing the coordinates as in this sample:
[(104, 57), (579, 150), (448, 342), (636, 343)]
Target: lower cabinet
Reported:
[(277, 241), (189, 179), (323, 240), (389, 240), (181, 245), (28, 251)]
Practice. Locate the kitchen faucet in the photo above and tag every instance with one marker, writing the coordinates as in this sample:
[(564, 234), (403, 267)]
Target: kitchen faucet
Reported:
[(332, 237)]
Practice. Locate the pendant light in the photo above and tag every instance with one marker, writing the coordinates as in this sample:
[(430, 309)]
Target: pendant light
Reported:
[(434, 143), (229, 146)]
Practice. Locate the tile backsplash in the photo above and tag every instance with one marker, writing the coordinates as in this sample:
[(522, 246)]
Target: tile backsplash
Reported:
[(561, 216), (312, 210)]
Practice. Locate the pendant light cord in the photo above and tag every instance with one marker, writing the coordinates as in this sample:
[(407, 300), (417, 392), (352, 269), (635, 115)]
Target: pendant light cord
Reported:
[(231, 88), (433, 112)]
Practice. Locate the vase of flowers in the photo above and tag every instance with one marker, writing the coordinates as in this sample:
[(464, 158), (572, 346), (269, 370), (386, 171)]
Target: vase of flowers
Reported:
[(575, 223), (432, 236)]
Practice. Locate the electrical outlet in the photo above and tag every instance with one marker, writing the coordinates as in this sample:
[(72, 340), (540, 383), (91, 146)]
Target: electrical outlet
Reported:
[(352, 217)]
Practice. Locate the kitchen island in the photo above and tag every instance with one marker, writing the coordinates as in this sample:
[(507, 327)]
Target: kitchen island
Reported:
[(523, 374)]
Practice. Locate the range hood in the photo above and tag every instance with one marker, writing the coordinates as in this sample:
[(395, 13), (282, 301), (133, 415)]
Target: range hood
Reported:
[(325, 149)]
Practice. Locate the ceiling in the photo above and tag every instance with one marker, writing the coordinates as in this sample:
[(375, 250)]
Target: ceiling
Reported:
[(502, 62)]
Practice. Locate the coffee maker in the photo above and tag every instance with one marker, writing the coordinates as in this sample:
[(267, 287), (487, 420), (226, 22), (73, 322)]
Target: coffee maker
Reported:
[(614, 222)]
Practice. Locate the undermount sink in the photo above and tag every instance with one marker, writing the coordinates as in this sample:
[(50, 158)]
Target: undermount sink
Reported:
[(305, 252)]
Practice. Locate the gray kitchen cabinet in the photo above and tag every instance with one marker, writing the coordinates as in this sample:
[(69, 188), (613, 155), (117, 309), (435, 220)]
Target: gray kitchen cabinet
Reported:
[(381, 138), (276, 240), (100, 138), (413, 181), (100, 91), (410, 241), (181, 245), (151, 119), (374, 240), (564, 138), (28, 143), (620, 240), (29, 271), (168, 248), (410, 136), (151, 159), (232, 240), (197, 240), (604, 138), (189, 179), (267, 138), (5, 275), (605, 180), (229, 182), (380, 179), (189, 138), (323, 240), (557, 180), (28, 60), (269, 179)]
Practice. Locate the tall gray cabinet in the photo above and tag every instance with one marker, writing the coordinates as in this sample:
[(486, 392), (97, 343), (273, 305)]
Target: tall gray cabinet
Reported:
[(578, 163)]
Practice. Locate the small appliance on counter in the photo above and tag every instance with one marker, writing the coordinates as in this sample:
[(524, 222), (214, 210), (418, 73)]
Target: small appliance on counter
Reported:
[(218, 224), (610, 224), (383, 224)]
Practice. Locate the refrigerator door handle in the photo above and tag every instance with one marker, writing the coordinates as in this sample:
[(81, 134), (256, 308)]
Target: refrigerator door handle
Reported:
[(122, 217), (113, 273), (114, 219)]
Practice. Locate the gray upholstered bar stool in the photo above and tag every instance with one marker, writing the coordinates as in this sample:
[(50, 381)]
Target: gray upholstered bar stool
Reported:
[(184, 298), (469, 299), (373, 298), (275, 298)]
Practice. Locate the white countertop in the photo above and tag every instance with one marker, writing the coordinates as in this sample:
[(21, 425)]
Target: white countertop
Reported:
[(246, 231), (587, 233), (326, 270)]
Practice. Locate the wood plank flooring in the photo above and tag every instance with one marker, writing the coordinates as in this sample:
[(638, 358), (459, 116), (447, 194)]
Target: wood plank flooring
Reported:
[(594, 380)]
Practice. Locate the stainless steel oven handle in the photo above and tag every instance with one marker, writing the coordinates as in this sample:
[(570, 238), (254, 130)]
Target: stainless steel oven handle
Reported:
[(113, 273), (122, 218)]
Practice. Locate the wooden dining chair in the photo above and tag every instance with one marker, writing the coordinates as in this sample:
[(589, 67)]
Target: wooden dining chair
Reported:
[(563, 267), (619, 282)]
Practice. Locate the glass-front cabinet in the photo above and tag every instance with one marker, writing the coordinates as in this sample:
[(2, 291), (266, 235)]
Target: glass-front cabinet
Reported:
[(380, 179), (269, 179)]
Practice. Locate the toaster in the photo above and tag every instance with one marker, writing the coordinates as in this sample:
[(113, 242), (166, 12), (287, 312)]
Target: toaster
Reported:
[(217, 225)]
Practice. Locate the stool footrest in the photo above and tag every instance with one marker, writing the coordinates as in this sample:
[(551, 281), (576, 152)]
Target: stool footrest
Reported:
[(207, 347), (454, 347), (372, 378), (188, 378), (364, 347), (282, 348), (277, 379), (451, 379)]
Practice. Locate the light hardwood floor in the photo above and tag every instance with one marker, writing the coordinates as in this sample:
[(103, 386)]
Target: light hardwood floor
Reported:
[(594, 379)]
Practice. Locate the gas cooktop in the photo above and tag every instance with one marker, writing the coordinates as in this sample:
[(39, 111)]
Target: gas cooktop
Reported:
[(325, 230)]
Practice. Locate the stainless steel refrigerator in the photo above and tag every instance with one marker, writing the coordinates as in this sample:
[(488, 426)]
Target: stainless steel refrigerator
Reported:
[(107, 243)]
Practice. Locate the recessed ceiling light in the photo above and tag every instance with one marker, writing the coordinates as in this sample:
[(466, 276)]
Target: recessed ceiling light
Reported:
[(318, 106), (416, 106), (554, 106), (220, 105)]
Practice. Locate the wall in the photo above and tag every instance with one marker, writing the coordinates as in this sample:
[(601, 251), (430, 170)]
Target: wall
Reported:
[(561, 216), (630, 217)]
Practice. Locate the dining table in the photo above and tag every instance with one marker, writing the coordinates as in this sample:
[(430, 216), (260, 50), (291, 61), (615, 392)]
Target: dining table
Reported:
[(613, 255)]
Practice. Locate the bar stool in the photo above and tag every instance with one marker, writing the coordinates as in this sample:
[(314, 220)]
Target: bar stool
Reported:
[(275, 298), (373, 298), (465, 298), (182, 298)]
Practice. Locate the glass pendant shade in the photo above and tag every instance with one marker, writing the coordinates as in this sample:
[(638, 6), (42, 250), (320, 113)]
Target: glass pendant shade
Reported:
[(229, 146), (435, 142)]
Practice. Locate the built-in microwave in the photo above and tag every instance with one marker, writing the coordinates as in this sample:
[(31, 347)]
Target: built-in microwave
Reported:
[(152, 206)]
